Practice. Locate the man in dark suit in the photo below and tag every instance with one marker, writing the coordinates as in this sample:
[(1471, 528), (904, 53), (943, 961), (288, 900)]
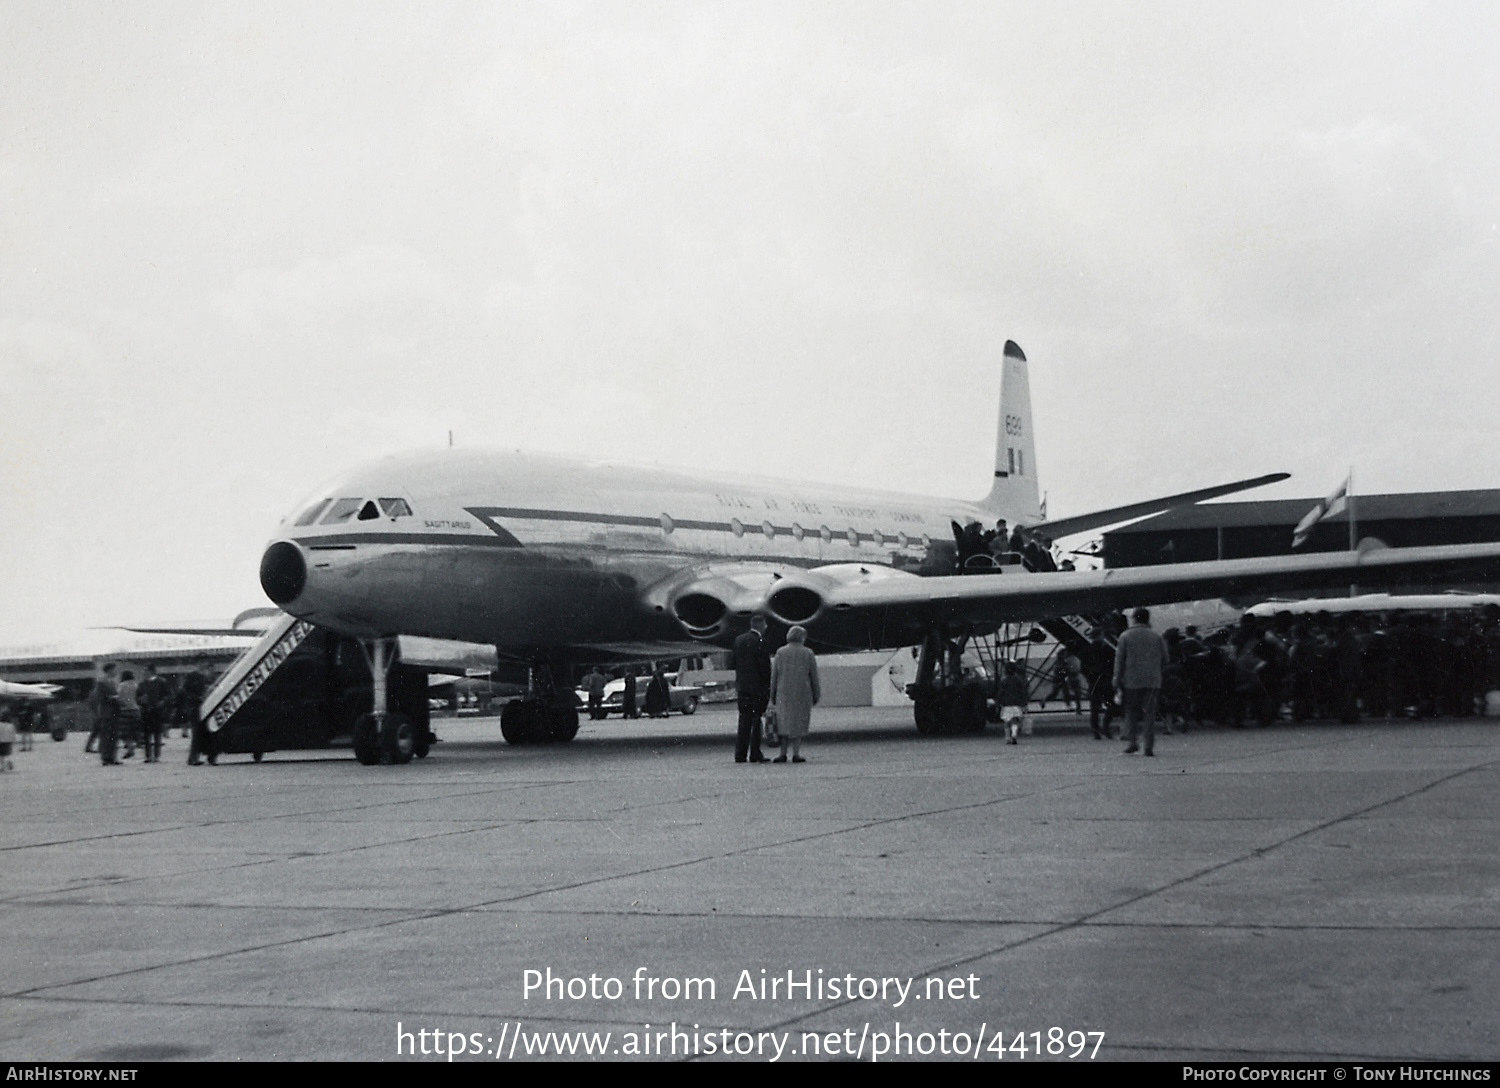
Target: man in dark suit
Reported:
[(152, 696), (752, 679), (105, 699), (627, 698)]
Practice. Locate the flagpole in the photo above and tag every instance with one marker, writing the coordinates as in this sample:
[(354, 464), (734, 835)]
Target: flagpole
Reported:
[(1352, 534), (1353, 546)]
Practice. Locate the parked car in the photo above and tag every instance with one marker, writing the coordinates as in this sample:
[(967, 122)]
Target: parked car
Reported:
[(684, 700)]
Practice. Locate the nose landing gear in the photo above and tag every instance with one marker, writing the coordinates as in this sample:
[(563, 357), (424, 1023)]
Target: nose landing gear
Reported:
[(384, 735), (385, 738)]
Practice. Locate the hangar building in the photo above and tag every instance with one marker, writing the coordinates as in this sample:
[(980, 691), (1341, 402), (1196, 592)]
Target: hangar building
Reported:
[(1239, 530)]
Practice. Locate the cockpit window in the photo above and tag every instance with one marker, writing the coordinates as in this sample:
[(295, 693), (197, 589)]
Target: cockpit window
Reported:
[(310, 515), (342, 510), (396, 508), (368, 511)]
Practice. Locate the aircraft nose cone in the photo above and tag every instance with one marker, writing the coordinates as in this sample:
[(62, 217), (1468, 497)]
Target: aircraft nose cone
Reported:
[(283, 572)]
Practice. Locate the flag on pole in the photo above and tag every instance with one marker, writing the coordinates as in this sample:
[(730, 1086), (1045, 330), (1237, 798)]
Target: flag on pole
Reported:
[(1335, 503)]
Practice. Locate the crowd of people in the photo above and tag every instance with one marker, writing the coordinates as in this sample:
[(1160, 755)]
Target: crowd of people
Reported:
[(1344, 666), (127, 714), (130, 713), (1323, 666), (985, 549)]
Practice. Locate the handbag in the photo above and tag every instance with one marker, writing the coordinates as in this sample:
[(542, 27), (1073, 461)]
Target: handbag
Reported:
[(768, 728)]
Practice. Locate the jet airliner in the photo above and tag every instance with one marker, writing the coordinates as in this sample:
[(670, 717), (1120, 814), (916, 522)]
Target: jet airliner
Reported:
[(559, 562)]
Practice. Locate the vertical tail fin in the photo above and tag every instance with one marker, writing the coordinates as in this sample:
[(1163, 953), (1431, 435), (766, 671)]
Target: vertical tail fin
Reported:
[(1014, 493)]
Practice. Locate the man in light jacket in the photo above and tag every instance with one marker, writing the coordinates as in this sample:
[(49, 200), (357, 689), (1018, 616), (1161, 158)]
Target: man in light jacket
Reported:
[(1140, 660)]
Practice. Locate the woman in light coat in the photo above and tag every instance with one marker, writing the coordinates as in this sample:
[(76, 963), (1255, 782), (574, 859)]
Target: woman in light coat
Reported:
[(794, 690)]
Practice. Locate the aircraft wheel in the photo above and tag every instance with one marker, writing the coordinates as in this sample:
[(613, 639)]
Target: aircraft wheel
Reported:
[(974, 707), (949, 712), (398, 738), (517, 722), (925, 711), (60, 733), (257, 756), (691, 706), (367, 739), (564, 724), (423, 744)]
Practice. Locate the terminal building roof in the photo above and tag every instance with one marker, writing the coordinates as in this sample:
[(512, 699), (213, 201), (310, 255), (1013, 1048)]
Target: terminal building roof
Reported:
[(1241, 530), (1416, 505)]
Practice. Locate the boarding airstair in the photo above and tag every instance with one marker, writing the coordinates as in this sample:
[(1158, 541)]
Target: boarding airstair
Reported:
[(300, 686), (1073, 632), (1018, 642), (252, 669)]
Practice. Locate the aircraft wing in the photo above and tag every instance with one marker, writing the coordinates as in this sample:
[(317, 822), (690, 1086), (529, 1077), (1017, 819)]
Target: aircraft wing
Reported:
[(1115, 514), (36, 692), (252, 621), (894, 611), (621, 653), (239, 632)]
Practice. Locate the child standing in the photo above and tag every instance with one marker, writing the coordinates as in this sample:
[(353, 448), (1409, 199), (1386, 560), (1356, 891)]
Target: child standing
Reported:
[(1012, 697)]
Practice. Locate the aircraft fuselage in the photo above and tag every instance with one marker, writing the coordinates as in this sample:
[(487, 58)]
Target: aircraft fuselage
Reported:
[(529, 552)]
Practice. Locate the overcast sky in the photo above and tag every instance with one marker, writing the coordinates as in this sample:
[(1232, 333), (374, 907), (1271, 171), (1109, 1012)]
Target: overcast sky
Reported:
[(245, 246)]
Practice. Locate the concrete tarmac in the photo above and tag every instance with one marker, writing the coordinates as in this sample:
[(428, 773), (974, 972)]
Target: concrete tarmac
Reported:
[(1320, 892)]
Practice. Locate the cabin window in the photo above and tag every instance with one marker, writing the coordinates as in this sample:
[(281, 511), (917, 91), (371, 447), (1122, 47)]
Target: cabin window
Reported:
[(667, 524), (798, 532), (396, 508), (853, 535), (342, 510), (310, 515), (879, 538), (827, 535), (769, 529), (737, 527)]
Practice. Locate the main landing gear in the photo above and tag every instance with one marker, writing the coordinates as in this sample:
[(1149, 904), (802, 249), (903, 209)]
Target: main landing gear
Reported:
[(385, 735), (547, 714), (947, 702)]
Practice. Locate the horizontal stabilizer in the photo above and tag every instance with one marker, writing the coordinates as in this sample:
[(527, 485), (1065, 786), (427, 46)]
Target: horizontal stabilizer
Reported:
[(1100, 518)]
